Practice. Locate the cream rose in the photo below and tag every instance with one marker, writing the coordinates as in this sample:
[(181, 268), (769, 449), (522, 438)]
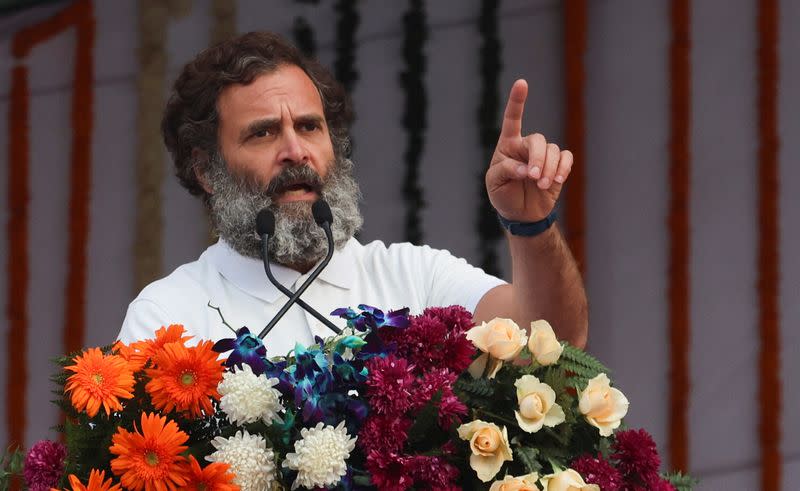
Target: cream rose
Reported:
[(543, 344), (500, 340), (537, 405), (603, 406), (567, 480), (489, 445), (522, 483)]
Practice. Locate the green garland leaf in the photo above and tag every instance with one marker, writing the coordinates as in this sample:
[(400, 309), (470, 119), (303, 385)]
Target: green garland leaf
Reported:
[(680, 481), (415, 114), (527, 457), (488, 114)]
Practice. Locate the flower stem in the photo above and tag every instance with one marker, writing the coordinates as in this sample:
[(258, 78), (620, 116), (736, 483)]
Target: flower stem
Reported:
[(496, 416)]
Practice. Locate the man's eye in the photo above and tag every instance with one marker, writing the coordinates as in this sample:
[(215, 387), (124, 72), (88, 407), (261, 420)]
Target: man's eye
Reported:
[(261, 133), (309, 126)]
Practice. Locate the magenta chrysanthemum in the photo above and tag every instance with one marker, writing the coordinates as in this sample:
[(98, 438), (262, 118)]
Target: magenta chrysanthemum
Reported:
[(433, 473), (385, 434), (637, 457), (389, 385), (450, 407), (436, 339), (44, 465), (596, 470), (390, 471)]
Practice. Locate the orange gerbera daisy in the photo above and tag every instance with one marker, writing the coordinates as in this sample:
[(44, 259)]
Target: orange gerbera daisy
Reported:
[(143, 351), (99, 380), (97, 482), (129, 354), (215, 477), (185, 379), (151, 459)]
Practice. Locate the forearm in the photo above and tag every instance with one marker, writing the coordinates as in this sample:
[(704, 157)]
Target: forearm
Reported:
[(546, 284)]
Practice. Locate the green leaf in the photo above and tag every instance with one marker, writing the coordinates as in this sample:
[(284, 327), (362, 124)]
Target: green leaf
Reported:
[(426, 420), (479, 387), (362, 480), (682, 482), (575, 357), (527, 457)]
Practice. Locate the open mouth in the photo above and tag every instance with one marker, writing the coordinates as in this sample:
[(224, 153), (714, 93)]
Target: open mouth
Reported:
[(294, 184), (297, 190)]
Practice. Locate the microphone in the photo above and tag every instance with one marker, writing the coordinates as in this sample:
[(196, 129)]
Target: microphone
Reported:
[(265, 227)]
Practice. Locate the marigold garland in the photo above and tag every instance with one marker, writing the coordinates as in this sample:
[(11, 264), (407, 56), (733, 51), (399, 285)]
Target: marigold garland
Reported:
[(769, 396), (79, 15), (678, 288), (575, 48), (224, 24), (17, 260), (154, 16), (80, 180)]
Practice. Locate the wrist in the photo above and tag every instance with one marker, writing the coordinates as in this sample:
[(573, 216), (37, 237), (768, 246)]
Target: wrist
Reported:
[(528, 229)]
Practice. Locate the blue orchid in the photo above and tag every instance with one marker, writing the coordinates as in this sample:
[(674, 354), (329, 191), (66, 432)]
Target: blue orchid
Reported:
[(246, 349), (371, 318)]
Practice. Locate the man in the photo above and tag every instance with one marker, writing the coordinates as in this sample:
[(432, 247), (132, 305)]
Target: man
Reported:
[(250, 124)]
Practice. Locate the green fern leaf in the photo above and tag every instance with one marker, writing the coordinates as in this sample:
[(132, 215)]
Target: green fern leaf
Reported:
[(527, 457), (580, 357), (479, 387)]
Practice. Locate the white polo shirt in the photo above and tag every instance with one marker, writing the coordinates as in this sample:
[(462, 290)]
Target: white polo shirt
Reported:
[(401, 275)]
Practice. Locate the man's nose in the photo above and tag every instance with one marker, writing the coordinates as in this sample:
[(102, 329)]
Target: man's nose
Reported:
[(293, 151)]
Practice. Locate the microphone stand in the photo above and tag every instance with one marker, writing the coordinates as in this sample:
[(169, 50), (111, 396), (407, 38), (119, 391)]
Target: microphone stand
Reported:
[(295, 297)]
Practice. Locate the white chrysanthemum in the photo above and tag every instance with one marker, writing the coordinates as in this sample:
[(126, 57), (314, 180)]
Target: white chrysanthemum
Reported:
[(320, 456), (247, 397), (249, 458)]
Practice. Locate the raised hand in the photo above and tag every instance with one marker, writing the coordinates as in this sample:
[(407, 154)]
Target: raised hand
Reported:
[(526, 174)]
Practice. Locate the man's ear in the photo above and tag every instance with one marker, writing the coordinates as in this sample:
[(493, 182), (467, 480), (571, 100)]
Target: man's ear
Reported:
[(200, 160)]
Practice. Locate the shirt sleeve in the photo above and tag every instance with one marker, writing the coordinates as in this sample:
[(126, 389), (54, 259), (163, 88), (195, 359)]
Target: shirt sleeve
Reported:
[(143, 319), (453, 281)]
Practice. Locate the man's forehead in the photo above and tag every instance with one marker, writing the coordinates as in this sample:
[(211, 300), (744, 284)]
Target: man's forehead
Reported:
[(286, 86)]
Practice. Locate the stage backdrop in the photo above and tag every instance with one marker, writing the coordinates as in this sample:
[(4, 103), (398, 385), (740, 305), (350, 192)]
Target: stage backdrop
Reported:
[(626, 161)]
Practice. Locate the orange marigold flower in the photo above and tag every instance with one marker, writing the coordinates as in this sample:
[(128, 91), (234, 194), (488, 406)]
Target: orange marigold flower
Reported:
[(143, 351), (215, 477), (99, 380), (185, 379), (97, 482), (150, 460)]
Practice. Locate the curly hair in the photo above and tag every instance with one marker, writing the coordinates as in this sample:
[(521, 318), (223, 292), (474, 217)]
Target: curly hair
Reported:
[(191, 119)]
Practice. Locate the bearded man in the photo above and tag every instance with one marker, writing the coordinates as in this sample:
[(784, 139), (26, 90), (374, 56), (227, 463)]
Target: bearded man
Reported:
[(252, 124)]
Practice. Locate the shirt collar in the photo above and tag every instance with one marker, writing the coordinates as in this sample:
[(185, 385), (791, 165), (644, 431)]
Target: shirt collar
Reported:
[(248, 273)]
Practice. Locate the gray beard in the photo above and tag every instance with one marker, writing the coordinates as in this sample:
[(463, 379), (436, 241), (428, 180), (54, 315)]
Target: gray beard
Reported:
[(298, 241)]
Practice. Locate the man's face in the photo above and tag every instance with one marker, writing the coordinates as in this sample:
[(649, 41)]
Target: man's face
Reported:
[(275, 152), (275, 122)]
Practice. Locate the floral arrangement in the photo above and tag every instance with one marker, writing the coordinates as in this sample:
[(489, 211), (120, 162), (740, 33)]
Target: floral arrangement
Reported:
[(396, 402)]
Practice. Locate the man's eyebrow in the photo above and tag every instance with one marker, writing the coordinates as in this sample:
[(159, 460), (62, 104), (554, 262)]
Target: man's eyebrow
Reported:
[(266, 124), (258, 125), (310, 118)]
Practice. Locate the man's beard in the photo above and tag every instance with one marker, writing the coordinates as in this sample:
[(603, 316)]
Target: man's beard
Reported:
[(298, 241)]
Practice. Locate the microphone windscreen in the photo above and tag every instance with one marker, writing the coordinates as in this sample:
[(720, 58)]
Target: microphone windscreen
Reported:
[(265, 222), (321, 212)]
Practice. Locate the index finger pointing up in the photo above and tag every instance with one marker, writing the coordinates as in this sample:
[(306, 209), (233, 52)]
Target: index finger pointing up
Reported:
[(512, 119)]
